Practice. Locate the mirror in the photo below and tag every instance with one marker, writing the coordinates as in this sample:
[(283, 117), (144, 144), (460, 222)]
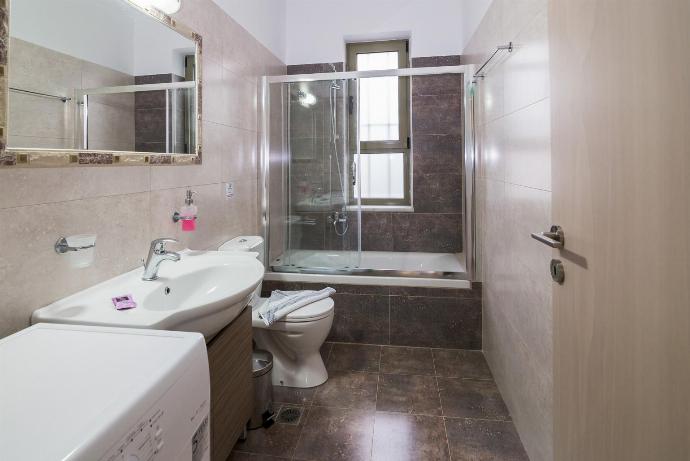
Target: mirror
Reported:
[(100, 75)]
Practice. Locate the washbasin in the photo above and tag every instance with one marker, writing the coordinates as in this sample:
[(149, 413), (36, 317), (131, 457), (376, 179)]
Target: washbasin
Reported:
[(203, 292)]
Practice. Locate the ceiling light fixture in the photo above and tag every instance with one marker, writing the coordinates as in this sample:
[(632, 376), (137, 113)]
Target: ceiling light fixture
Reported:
[(166, 6)]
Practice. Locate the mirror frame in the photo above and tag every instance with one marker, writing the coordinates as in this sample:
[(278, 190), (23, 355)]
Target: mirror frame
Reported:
[(47, 158)]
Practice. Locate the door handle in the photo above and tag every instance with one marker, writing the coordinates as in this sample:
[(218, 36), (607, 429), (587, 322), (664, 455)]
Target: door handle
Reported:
[(555, 238)]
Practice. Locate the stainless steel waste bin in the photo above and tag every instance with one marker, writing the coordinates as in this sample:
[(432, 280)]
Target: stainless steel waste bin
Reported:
[(262, 364)]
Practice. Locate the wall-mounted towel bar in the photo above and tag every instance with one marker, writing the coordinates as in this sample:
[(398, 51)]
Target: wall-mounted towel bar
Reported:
[(42, 95), (483, 69)]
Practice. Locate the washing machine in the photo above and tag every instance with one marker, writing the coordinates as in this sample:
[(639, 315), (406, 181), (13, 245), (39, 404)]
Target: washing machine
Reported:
[(103, 394)]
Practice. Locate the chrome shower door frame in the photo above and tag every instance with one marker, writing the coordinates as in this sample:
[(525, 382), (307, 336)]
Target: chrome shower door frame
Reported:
[(468, 187)]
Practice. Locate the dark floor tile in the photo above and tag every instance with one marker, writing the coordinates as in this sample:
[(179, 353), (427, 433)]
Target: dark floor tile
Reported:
[(407, 360), (335, 434), (360, 319), (481, 440), (414, 394), (453, 363), (277, 440), (467, 398), (354, 357), (290, 414), (409, 438), (346, 389), (436, 322), (293, 395), (239, 456)]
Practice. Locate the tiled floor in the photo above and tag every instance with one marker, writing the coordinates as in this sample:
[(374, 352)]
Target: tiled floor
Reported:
[(393, 404)]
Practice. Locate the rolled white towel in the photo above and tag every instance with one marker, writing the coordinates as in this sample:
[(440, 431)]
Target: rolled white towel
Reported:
[(281, 303)]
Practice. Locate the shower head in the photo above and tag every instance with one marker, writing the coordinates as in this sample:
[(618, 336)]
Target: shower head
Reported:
[(306, 99)]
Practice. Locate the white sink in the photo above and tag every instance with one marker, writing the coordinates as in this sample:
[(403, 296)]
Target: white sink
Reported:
[(203, 292)]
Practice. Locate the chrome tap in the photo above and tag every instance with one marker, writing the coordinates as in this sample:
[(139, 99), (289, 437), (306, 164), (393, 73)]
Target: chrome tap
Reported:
[(158, 254)]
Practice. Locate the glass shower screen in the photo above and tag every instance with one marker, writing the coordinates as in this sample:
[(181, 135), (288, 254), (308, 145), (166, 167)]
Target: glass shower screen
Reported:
[(322, 220)]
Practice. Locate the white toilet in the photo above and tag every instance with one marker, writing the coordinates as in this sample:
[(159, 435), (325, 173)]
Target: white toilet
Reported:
[(296, 339)]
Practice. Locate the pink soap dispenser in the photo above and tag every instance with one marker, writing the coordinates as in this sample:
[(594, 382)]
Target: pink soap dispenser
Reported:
[(188, 213)]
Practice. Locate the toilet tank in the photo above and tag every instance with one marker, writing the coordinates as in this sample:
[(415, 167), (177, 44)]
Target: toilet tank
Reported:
[(251, 243)]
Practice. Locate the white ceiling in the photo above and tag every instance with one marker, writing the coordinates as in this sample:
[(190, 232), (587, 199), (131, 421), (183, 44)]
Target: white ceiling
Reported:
[(308, 31)]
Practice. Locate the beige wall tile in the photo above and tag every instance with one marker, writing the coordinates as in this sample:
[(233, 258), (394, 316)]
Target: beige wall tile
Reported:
[(239, 160), (527, 146), (130, 206), (213, 145), (34, 186), (513, 200), (33, 275), (527, 70)]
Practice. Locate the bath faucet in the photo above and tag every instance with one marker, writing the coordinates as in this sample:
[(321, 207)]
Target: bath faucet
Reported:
[(158, 254)]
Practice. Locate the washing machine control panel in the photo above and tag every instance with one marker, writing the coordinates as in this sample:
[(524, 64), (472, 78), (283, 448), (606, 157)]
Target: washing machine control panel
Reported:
[(143, 442)]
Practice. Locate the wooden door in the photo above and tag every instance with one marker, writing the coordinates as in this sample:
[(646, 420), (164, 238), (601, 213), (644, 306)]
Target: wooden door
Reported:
[(620, 73)]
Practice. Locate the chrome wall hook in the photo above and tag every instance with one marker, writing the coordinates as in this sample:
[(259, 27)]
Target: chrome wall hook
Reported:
[(62, 247)]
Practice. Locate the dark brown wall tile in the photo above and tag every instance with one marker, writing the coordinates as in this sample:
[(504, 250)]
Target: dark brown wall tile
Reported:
[(149, 100), (419, 317), (438, 61), (437, 193), (308, 234), (436, 114), (377, 231), (149, 125), (428, 232), (436, 322), (268, 286), (360, 319), (318, 68), (437, 154), (437, 85), (473, 293)]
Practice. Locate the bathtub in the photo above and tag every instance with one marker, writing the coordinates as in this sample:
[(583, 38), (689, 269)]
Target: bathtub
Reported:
[(385, 268)]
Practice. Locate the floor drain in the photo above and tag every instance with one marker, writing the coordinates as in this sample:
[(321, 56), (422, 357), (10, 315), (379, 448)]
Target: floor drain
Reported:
[(289, 415)]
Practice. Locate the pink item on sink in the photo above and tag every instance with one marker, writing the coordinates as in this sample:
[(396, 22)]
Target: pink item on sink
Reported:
[(124, 302)]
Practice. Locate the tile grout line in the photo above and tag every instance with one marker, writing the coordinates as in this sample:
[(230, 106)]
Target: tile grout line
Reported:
[(301, 430), (443, 416), (376, 400)]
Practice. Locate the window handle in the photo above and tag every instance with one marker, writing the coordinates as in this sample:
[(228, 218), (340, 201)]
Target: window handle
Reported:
[(354, 173)]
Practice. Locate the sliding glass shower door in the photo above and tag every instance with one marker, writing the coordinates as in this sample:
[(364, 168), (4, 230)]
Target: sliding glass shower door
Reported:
[(323, 212)]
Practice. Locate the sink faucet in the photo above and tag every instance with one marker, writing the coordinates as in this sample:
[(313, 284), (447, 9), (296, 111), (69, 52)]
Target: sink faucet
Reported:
[(158, 254)]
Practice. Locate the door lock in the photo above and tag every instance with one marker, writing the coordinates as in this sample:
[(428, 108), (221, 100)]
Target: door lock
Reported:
[(557, 271)]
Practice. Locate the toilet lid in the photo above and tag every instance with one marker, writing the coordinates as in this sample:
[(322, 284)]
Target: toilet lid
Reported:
[(314, 311)]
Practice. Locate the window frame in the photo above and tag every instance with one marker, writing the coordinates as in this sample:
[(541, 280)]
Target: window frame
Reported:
[(403, 144)]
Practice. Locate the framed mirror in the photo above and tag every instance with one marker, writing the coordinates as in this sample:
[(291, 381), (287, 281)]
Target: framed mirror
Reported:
[(97, 82)]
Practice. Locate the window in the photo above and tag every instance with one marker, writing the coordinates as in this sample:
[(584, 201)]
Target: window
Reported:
[(384, 123)]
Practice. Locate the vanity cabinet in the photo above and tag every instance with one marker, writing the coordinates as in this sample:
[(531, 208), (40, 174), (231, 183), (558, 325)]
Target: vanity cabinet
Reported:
[(229, 358)]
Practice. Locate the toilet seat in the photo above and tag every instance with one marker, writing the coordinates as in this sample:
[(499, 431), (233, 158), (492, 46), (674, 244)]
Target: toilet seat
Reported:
[(311, 312)]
